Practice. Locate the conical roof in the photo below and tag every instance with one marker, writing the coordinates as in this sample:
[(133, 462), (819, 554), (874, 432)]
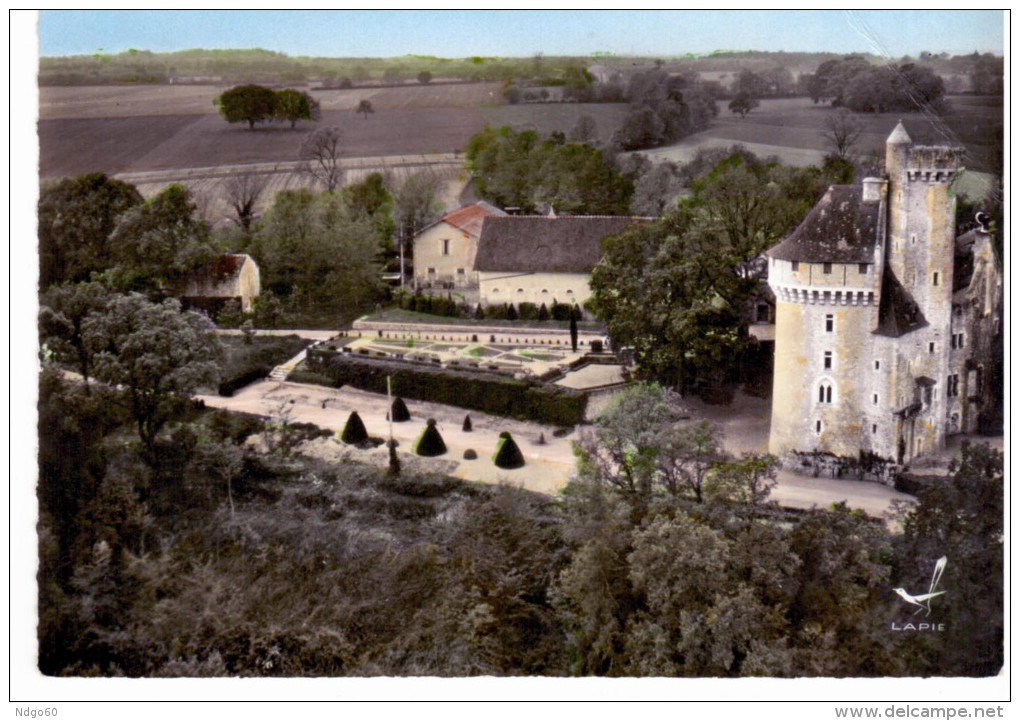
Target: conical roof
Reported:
[(899, 136)]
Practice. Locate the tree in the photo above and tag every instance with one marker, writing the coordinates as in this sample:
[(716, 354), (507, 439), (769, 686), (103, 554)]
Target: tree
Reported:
[(415, 202), (76, 217), (424, 77), (292, 106), (743, 103), (247, 103), (321, 153), (365, 107), (62, 315), (243, 191), (686, 453), (158, 354), (159, 244), (842, 131)]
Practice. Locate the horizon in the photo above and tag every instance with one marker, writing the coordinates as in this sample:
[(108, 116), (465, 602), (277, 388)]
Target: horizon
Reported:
[(458, 34)]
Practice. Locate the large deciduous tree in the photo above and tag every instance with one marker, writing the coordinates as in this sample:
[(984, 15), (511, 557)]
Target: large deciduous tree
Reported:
[(243, 191), (62, 314), (77, 215), (159, 244), (247, 103), (291, 106), (743, 103), (842, 131), (156, 353)]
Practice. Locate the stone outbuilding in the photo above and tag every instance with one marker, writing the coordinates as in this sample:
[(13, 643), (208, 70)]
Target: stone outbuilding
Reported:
[(886, 323), (542, 259), (232, 276), (444, 252)]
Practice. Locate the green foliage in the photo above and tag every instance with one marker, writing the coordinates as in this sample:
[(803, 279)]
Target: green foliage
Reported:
[(76, 216), (354, 430), (158, 245), (156, 353), (291, 106), (857, 84), (429, 442), (666, 108), (247, 103), (488, 393), (315, 258), (507, 454), (677, 290), (743, 103), (399, 411), (517, 169)]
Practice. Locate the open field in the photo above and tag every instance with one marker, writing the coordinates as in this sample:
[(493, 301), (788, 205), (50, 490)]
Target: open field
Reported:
[(111, 101), (791, 128), (69, 146), (547, 117)]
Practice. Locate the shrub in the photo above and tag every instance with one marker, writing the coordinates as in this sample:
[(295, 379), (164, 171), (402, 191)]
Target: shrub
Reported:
[(527, 311), (470, 455), (511, 312), (354, 430), (399, 411), (561, 311), (467, 424), (429, 443), (543, 313), (507, 454), (596, 346), (479, 312)]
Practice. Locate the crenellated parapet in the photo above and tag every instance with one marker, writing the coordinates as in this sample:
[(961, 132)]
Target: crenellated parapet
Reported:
[(806, 295)]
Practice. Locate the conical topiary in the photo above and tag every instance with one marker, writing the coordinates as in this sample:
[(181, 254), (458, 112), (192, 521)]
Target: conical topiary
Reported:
[(354, 430), (399, 411), (429, 442), (467, 424), (507, 454)]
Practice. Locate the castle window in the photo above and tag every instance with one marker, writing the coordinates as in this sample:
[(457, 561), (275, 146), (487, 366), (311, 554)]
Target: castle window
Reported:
[(931, 347), (927, 395), (826, 268), (570, 292), (827, 364), (495, 290), (862, 268), (874, 398), (825, 393), (520, 290), (913, 238), (446, 247), (431, 271), (959, 340), (818, 426), (545, 291), (795, 265), (460, 271), (878, 365), (935, 278), (874, 429), (829, 321)]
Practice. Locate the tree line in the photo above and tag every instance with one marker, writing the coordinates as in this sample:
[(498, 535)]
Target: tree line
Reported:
[(258, 104)]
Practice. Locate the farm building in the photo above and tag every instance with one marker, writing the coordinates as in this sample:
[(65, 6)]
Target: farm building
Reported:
[(542, 259), (230, 277), (444, 252), (886, 323)]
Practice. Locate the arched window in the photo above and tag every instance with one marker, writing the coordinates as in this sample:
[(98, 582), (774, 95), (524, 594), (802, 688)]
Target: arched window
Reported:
[(825, 392)]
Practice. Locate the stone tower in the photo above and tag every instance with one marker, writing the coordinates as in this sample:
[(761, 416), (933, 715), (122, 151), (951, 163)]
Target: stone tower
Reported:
[(863, 309)]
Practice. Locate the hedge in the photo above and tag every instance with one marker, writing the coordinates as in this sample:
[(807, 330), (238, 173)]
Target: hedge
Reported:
[(230, 385), (489, 393)]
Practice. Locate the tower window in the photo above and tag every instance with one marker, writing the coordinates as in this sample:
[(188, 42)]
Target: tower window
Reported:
[(878, 365), (818, 426), (460, 271), (935, 278), (827, 363), (795, 265), (874, 429), (862, 268), (825, 393), (874, 398), (826, 268), (829, 322), (931, 347)]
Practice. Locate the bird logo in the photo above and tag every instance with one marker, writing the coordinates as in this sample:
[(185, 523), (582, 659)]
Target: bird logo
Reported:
[(923, 600)]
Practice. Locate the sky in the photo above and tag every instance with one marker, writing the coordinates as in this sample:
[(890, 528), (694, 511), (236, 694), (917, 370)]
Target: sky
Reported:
[(462, 33)]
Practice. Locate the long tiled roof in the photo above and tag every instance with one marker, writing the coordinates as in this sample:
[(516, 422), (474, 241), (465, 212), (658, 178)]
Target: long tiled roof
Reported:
[(528, 243), (841, 228)]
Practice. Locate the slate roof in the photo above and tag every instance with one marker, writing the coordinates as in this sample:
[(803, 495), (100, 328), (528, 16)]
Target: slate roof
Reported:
[(841, 228), (898, 312), (469, 218), (529, 243)]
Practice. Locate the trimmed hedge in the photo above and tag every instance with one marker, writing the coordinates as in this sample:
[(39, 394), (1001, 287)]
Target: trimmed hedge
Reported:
[(429, 442), (228, 387), (489, 393)]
